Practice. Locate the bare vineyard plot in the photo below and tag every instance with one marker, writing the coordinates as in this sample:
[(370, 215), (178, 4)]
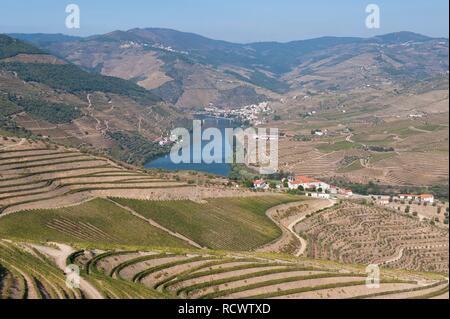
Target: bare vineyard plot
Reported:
[(362, 234)]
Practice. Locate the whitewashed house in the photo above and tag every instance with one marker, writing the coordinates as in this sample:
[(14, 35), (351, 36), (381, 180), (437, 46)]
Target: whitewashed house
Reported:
[(261, 184), (307, 183)]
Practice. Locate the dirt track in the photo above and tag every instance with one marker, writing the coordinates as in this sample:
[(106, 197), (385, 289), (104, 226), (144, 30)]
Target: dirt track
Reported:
[(59, 255), (155, 224), (290, 241)]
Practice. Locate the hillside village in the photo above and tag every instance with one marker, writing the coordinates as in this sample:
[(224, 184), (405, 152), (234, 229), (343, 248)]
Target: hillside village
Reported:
[(253, 114)]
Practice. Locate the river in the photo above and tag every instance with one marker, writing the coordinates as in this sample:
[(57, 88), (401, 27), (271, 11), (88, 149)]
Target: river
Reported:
[(221, 168)]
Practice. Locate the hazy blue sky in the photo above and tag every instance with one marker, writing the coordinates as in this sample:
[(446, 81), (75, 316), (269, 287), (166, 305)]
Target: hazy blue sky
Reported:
[(233, 20)]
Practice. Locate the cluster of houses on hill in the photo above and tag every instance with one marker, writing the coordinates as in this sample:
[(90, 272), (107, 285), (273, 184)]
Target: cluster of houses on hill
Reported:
[(313, 187), (251, 113)]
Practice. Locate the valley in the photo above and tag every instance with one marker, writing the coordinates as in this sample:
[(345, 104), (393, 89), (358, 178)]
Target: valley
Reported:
[(82, 119)]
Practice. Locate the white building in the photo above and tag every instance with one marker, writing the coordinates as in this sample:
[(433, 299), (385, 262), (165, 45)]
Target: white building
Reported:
[(424, 198), (307, 183), (261, 184)]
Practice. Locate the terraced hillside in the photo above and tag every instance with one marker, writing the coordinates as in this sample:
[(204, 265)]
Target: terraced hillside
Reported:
[(29, 271), (238, 224), (154, 223), (201, 275), (355, 233), (34, 175)]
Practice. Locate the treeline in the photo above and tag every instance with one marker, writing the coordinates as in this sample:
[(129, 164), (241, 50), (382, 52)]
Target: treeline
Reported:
[(72, 79), (380, 149), (439, 191), (56, 113), (135, 149), (8, 108), (10, 47)]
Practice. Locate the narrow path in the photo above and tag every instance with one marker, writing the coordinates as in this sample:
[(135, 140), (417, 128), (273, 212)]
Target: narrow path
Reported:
[(349, 138), (419, 130), (22, 141), (59, 255), (303, 241), (155, 224), (287, 224), (98, 127)]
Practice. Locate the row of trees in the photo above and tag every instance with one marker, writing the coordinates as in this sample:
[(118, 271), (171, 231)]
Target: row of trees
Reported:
[(133, 148), (56, 113)]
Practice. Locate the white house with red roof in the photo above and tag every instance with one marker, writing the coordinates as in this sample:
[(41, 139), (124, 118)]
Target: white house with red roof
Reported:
[(260, 184), (307, 183)]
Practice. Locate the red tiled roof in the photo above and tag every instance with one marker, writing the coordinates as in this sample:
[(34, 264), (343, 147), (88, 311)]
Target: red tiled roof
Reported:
[(259, 182), (304, 180)]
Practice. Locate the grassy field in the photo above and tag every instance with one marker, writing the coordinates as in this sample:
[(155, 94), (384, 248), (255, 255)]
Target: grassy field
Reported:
[(233, 224), (356, 165), (98, 221)]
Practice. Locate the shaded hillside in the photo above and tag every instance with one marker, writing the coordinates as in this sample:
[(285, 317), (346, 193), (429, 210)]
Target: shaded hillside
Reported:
[(44, 96)]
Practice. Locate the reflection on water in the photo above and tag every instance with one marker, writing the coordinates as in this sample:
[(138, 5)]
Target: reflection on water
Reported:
[(221, 168)]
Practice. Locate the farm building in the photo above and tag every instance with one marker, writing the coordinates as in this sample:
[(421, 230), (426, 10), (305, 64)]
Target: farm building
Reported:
[(260, 184), (426, 198), (307, 183)]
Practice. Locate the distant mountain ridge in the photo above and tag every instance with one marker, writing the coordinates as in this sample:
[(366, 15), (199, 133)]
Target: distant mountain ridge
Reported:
[(193, 71)]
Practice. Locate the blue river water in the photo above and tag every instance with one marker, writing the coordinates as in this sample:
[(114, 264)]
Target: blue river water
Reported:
[(221, 168)]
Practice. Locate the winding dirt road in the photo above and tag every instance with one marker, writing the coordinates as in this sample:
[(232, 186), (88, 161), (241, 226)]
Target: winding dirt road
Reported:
[(287, 216), (59, 255)]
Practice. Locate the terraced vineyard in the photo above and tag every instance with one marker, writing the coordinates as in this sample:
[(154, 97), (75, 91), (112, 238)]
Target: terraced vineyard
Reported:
[(208, 275), (30, 275), (95, 222), (36, 175), (354, 233), (237, 224), (28, 271), (136, 234)]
